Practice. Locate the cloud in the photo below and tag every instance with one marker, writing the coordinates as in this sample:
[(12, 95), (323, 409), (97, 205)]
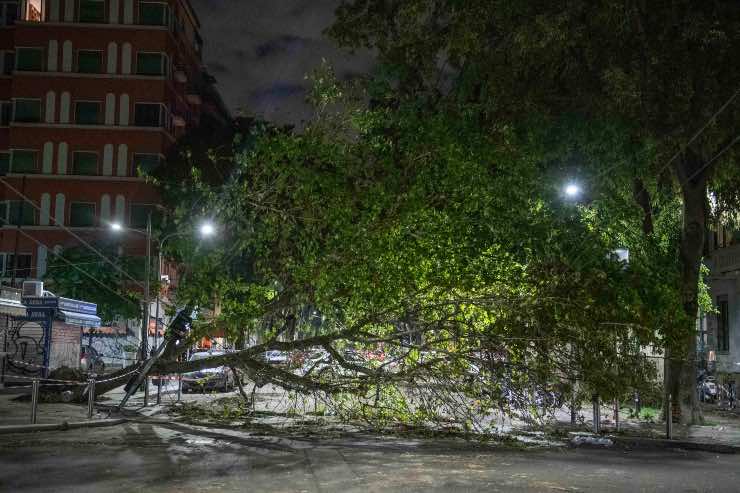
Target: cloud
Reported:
[(261, 51), (283, 45)]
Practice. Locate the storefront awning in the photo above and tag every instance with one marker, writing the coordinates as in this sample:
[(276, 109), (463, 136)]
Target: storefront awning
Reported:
[(80, 319), (8, 307)]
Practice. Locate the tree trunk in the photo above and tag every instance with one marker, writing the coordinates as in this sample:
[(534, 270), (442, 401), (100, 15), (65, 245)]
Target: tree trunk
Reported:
[(681, 377)]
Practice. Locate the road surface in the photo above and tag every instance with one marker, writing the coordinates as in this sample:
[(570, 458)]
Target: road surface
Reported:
[(173, 457)]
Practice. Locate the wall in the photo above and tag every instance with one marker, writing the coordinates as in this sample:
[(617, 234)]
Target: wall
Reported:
[(65, 345)]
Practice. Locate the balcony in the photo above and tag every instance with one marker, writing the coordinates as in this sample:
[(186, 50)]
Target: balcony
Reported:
[(725, 259)]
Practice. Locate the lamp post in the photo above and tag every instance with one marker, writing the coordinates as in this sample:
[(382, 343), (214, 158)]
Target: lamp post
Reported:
[(144, 347), (117, 227), (206, 229)]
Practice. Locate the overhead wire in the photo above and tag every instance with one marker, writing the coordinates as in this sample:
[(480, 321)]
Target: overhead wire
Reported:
[(72, 233), (73, 265)]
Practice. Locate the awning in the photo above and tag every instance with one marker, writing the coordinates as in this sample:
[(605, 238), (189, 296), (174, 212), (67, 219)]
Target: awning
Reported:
[(8, 307), (80, 319)]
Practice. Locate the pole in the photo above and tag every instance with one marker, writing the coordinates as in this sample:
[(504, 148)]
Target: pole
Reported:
[(597, 414), (159, 390), (34, 399), (145, 319), (637, 404), (179, 387), (4, 355), (156, 316), (616, 415), (90, 396), (669, 417), (159, 280)]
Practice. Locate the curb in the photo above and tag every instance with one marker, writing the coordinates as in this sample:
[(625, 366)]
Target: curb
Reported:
[(60, 426), (638, 442)]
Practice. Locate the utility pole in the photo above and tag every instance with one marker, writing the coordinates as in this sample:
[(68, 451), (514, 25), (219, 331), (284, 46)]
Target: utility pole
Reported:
[(145, 318)]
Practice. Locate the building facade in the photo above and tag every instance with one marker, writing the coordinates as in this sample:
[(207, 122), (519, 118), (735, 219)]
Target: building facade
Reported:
[(720, 331), (92, 93)]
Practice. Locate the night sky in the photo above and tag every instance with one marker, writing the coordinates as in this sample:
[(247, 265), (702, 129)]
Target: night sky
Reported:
[(261, 50)]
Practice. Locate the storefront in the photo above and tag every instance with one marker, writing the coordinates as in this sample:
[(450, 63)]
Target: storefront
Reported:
[(14, 347), (42, 333)]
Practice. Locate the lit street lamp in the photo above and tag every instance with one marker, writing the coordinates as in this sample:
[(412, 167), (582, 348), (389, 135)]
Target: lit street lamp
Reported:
[(206, 229), (572, 190)]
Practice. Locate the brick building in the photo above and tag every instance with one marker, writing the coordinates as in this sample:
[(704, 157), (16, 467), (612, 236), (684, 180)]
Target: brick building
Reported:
[(91, 92)]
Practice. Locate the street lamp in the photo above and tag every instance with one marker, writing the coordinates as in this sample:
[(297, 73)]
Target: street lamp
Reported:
[(206, 229), (118, 227), (572, 190)]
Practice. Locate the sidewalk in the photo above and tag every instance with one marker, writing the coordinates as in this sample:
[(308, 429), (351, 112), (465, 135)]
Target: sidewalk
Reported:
[(721, 427), (13, 412)]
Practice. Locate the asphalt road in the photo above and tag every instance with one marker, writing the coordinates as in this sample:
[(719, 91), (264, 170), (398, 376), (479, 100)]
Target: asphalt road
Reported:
[(170, 457)]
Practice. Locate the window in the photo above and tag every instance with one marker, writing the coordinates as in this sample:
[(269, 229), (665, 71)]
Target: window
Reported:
[(146, 163), (19, 213), (4, 164), (89, 62), (8, 13), (149, 115), (140, 214), (84, 163), (92, 11), (151, 64), (723, 322), (7, 60), (27, 110), (81, 215), (153, 13), (29, 59), (23, 161), (6, 113), (33, 11), (18, 266), (87, 113)]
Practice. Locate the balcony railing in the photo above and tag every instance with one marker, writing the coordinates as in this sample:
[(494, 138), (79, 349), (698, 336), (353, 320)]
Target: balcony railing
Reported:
[(725, 259)]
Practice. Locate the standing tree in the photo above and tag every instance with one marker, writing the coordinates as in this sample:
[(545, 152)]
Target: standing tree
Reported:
[(665, 72)]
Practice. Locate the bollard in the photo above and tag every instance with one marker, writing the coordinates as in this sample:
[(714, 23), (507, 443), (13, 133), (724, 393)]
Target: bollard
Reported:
[(637, 404), (597, 414), (159, 390), (90, 396), (179, 387), (616, 415), (669, 417), (34, 399)]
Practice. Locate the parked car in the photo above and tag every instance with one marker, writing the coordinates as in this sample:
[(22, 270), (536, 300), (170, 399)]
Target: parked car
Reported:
[(276, 357), (316, 361), (90, 360), (708, 390), (219, 378)]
